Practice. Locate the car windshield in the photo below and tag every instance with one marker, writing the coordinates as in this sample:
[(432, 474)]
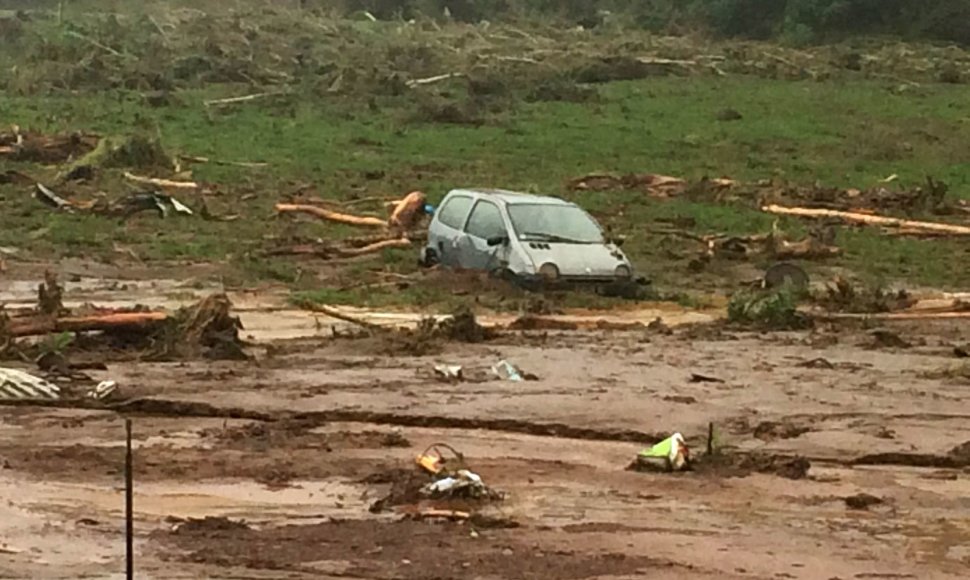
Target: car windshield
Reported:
[(554, 223)]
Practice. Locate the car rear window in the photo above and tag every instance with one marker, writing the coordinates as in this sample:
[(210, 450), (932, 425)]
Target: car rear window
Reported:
[(455, 211)]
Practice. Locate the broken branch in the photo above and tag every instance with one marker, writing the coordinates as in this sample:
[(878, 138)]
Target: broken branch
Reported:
[(167, 183), (235, 100), (435, 79), (868, 219), (333, 313), (195, 159)]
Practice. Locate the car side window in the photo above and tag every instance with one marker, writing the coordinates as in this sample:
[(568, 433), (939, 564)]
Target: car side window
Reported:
[(486, 221), (454, 212)]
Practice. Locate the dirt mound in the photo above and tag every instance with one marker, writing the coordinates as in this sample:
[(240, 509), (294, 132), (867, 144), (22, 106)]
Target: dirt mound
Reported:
[(402, 549)]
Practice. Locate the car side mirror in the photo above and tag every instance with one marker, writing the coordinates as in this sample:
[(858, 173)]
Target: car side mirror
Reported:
[(497, 241)]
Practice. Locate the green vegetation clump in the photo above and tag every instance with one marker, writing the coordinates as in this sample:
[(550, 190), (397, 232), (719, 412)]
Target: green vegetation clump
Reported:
[(774, 310)]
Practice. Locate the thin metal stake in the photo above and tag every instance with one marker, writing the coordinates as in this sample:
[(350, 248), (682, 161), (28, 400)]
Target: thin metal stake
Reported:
[(129, 512)]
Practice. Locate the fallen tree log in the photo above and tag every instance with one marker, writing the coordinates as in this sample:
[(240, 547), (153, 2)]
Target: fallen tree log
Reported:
[(867, 219), (40, 325), (331, 215)]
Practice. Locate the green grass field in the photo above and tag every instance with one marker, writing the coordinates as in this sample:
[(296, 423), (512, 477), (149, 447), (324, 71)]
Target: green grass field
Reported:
[(840, 132)]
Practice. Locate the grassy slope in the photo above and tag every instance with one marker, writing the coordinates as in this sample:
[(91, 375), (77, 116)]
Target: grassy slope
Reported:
[(848, 134)]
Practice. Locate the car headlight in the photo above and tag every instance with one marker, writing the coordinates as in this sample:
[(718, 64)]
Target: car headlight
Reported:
[(549, 271), (622, 271)]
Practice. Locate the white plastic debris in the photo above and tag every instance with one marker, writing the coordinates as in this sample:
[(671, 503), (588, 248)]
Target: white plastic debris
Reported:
[(16, 384), (448, 372), (507, 371), (451, 485), (104, 390)]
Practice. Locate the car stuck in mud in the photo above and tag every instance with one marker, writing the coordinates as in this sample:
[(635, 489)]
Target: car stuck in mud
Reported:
[(535, 241)]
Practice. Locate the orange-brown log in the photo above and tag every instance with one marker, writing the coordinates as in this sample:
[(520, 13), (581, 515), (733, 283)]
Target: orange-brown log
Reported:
[(37, 325), (331, 215)]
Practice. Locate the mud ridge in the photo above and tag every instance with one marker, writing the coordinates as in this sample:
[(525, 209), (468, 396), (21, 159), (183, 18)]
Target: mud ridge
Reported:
[(175, 408), (913, 460), (505, 425)]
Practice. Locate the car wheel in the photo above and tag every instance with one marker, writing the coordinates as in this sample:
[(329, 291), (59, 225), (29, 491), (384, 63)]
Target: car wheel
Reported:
[(429, 259)]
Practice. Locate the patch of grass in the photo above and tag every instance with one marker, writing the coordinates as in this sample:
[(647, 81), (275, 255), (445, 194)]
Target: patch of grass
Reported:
[(846, 132)]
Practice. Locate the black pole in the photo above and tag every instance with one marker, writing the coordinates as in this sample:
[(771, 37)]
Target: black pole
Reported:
[(129, 516)]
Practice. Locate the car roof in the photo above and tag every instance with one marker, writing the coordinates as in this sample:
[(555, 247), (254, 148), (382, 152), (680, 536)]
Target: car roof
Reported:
[(511, 197)]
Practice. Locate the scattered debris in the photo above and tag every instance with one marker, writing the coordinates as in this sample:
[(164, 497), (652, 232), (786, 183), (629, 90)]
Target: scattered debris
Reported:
[(104, 390), (671, 454), (449, 373), (18, 145), (463, 483), (165, 204), (861, 501), (509, 372), (962, 351), (651, 183), (842, 296), (44, 194), (931, 197), (118, 151), (15, 384), (452, 515), (157, 182)]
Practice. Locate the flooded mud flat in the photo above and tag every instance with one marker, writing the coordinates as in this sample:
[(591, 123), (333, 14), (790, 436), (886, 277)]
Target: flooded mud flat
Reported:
[(834, 455)]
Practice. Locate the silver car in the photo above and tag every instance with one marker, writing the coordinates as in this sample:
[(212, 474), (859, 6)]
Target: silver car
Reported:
[(533, 239)]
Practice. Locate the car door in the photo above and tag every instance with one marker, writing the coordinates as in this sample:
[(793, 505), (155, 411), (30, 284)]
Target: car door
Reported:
[(447, 227), (484, 222)]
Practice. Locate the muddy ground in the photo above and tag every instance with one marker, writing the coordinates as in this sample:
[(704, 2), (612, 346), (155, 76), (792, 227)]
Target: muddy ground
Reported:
[(271, 468)]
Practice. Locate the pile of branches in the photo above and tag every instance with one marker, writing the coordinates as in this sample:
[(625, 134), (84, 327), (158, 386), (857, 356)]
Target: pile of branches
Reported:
[(403, 227), (204, 330)]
